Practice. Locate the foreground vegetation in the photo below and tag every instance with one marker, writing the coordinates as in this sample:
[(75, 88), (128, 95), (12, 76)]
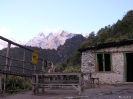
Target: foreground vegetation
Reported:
[(16, 83)]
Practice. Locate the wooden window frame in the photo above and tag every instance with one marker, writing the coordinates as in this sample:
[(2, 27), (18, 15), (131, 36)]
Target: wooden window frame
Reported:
[(103, 58)]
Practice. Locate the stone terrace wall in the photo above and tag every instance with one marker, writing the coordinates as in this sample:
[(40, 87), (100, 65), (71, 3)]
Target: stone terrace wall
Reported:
[(117, 73)]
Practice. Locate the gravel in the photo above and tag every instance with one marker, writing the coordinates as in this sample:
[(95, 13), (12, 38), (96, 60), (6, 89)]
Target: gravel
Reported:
[(104, 92)]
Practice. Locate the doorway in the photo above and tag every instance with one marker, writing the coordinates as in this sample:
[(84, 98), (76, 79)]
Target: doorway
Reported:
[(129, 67)]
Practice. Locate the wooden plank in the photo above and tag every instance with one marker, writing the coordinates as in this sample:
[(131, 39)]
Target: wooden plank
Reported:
[(47, 74), (56, 84), (7, 40)]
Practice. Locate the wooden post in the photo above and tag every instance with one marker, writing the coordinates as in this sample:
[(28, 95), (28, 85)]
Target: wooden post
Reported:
[(7, 66), (0, 83), (34, 69), (37, 85), (7, 57), (80, 83), (42, 66), (24, 62), (5, 83), (80, 79), (33, 86), (89, 80), (43, 82), (24, 82)]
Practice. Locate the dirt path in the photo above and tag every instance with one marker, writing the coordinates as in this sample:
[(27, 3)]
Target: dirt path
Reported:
[(104, 92)]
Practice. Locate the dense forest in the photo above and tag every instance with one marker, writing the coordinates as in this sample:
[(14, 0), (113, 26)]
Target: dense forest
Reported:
[(121, 30)]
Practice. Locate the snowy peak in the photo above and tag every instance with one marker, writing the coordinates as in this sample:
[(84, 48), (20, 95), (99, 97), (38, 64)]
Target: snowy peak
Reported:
[(51, 41), (65, 34), (41, 35)]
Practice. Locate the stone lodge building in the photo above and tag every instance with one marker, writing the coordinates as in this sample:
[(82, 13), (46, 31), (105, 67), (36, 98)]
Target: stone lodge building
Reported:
[(111, 62)]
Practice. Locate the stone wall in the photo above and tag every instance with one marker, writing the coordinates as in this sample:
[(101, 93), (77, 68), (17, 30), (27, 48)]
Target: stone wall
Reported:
[(88, 62), (117, 63)]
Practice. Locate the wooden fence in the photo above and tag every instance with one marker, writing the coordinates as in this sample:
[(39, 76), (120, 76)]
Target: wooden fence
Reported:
[(22, 70)]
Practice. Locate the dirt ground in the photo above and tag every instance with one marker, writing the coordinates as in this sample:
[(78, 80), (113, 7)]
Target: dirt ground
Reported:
[(104, 92)]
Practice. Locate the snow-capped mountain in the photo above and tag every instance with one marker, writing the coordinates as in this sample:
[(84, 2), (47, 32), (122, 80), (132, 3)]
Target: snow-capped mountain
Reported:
[(51, 41)]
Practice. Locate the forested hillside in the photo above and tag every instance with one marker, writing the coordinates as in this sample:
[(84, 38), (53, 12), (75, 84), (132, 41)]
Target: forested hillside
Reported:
[(70, 46), (121, 30)]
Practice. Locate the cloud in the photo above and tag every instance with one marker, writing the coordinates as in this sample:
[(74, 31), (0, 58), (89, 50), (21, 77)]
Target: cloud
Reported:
[(4, 31)]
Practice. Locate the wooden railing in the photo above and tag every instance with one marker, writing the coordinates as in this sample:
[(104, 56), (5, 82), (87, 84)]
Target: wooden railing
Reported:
[(26, 69)]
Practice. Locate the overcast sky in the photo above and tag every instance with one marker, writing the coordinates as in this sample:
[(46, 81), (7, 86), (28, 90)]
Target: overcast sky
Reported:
[(24, 19)]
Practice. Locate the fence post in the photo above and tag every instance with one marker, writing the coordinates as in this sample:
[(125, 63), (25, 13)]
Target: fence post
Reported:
[(0, 83), (43, 66), (7, 57), (34, 69), (33, 85), (7, 66), (24, 62), (24, 83)]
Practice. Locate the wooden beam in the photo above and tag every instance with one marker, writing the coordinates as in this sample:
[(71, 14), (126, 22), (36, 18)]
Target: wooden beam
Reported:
[(7, 57), (24, 62), (7, 40)]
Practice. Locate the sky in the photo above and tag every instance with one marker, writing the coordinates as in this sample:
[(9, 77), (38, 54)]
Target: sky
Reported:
[(24, 19)]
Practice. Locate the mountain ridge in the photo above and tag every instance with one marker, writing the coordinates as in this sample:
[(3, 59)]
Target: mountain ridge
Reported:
[(52, 55), (51, 41)]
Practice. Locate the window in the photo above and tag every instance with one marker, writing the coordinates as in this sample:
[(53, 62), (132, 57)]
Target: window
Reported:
[(103, 62)]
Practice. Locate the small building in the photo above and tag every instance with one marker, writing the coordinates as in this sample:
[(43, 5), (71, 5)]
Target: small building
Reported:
[(111, 62)]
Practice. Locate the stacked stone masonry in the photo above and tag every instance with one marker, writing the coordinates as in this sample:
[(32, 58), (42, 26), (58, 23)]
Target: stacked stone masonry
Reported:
[(117, 64)]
